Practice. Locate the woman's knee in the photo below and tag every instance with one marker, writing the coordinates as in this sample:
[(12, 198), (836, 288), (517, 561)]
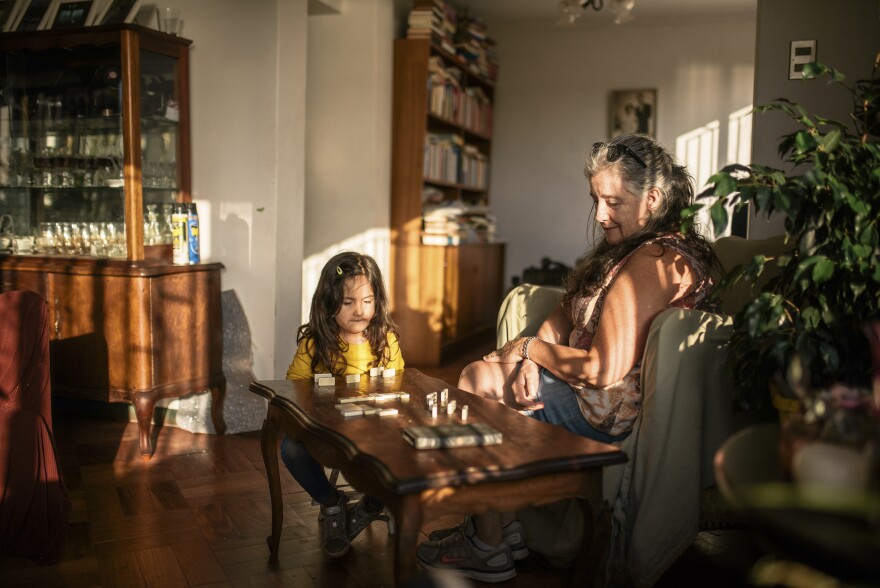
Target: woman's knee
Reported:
[(483, 379)]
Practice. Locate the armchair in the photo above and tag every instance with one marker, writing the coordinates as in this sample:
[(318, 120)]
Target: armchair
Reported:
[(686, 414), (34, 504)]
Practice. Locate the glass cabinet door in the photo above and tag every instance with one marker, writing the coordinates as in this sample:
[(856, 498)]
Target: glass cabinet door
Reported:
[(92, 133), (61, 181), (160, 119)]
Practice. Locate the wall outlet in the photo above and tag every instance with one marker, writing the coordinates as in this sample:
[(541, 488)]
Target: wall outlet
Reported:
[(802, 53)]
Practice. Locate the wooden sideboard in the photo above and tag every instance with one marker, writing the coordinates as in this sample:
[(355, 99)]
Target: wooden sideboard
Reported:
[(123, 331)]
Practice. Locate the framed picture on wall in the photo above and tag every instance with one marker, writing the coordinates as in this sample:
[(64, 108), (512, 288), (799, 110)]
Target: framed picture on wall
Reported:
[(71, 13), (118, 12), (33, 15), (632, 111)]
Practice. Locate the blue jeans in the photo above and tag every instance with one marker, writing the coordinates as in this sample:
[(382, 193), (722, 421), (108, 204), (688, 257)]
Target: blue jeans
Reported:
[(306, 470), (310, 474), (561, 408)]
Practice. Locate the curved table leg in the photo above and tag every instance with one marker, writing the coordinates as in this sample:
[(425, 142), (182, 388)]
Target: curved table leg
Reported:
[(269, 444), (144, 403), (407, 522), (589, 570), (218, 393)]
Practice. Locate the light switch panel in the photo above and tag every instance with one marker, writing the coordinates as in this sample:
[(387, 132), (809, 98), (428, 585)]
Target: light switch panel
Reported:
[(802, 53)]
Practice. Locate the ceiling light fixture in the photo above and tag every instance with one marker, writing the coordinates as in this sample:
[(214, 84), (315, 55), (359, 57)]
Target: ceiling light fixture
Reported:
[(571, 10)]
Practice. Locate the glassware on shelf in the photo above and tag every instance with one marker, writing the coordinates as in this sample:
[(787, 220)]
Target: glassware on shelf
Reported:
[(152, 228), (167, 229), (46, 243)]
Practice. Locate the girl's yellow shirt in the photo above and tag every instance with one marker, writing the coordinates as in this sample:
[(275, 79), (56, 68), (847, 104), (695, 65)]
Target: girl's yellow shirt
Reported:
[(359, 358)]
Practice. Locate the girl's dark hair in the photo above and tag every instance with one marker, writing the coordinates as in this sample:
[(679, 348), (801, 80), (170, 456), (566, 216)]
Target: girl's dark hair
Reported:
[(676, 193), (322, 327)]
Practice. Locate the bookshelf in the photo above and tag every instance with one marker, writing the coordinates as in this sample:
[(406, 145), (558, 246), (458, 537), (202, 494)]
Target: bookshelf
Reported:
[(445, 298)]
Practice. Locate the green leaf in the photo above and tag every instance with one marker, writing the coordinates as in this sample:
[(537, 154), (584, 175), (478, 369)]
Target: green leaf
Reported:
[(811, 317), (718, 213), (724, 184), (823, 270), (830, 141)]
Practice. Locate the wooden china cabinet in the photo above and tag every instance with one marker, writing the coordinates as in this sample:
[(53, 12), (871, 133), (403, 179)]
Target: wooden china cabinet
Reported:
[(94, 155)]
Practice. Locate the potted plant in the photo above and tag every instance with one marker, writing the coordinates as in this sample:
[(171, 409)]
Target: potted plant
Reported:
[(808, 320)]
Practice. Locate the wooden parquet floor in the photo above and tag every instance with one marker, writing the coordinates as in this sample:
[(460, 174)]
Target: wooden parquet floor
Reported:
[(198, 514)]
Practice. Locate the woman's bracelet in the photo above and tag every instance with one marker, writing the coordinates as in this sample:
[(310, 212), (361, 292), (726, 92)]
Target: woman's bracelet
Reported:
[(525, 348)]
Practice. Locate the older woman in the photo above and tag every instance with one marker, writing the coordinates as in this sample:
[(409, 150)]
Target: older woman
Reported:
[(581, 371)]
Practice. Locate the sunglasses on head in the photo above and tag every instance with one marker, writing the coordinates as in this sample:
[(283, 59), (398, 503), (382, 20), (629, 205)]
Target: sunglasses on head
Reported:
[(615, 150)]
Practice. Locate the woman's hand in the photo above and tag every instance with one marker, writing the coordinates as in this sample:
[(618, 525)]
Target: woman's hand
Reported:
[(526, 383)]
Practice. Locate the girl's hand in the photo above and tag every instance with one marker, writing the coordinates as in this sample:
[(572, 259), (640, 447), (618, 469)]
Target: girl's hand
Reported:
[(525, 385), (510, 353)]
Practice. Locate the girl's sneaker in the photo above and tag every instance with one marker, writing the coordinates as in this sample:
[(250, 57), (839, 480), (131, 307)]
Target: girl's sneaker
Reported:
[(359, 519), (512, 532), (457, 554), (333, 529)]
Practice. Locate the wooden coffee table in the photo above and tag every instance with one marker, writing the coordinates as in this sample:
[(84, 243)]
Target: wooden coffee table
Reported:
[(536, 464)]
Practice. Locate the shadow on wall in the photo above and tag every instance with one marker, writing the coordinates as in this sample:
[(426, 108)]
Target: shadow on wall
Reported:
[(242, 410)]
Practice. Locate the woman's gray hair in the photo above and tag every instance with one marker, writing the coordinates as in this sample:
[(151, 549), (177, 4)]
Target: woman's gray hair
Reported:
[(643, 164), (660, 171)]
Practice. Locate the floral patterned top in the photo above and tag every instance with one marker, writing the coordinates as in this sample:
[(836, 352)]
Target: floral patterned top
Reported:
[(613, 409)]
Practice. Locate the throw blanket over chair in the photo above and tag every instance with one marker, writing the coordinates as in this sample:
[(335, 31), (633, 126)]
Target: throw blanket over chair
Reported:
[(34, 504)]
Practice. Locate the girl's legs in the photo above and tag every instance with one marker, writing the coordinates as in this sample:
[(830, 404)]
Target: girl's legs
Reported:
[(308, 472)]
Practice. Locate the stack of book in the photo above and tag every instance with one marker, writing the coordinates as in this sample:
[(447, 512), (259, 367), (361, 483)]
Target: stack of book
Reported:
[(444, 91), (434, 20), (440, 224), (453, 223), (474, 46)]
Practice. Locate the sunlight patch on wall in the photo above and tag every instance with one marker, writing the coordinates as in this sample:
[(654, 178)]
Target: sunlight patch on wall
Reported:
[(372, 242), (698, 150), (739, 136)]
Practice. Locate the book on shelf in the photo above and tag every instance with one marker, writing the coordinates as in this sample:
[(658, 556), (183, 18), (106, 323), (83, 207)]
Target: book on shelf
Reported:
[(453, 223), (444, 240), (451, 435), (442, 154)]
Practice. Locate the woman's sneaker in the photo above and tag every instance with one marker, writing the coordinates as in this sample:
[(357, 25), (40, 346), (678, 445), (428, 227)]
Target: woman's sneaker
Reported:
[(458, 554), (333, 529), (359, 518), (513, 534)]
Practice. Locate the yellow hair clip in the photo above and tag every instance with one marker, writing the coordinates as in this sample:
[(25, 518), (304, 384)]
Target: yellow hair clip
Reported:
[(338, 270)]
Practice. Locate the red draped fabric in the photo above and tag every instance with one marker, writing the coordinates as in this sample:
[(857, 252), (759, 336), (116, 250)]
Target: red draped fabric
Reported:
[(34, 504)]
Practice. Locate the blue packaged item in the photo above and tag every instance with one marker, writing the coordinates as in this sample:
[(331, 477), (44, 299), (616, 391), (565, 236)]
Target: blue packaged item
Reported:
[(192, 232)]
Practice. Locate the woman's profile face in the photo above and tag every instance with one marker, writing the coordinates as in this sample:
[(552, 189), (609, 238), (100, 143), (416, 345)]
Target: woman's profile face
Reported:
[(618, 212)]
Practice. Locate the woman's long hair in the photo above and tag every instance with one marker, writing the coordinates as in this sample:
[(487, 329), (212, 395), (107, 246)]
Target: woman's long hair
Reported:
[(676, 193), (322, 329)]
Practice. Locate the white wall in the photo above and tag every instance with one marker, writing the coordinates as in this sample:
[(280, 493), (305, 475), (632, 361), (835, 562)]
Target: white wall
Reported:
[(552, 105), (348, 150), (850, 46), (247, 86)]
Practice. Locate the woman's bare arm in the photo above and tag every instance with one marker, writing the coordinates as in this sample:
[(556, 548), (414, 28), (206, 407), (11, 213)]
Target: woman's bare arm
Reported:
[(644, 287)]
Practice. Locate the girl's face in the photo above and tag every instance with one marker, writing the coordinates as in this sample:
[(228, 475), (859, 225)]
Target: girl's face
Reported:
[(619, 212), (358, 309)]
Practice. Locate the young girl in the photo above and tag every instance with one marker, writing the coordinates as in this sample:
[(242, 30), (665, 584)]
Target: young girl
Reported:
[(349, 331)]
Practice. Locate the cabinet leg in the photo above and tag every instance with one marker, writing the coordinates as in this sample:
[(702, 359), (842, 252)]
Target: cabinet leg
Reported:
[(143, 408), (218, 393)]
